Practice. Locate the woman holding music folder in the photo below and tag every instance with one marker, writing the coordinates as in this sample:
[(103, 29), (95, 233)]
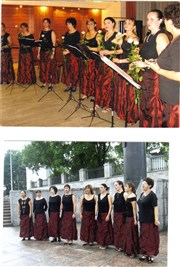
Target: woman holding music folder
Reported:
[(7, 70), (70, 73), (89, 67), (46, 55), (26, 71)]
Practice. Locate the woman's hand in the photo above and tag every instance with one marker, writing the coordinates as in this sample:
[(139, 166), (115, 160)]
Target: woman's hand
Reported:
[(116, 60), (104, 52), (156, 222), (38, 56), (65, 52), (153, 65), (73, 216), (107, 218), (140, 64)]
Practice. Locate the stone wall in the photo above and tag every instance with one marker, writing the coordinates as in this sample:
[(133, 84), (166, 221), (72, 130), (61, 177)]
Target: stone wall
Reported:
[(160, 188)]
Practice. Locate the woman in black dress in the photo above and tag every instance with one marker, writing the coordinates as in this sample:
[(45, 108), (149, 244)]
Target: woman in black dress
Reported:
[(70, 71), (26, 71), (131, 240), (104, 235), (88, 211), (54, 214), (7, 69), (25, 214), (40, 224), (46, 54), (68, 216), (119, 216), (148, 217)]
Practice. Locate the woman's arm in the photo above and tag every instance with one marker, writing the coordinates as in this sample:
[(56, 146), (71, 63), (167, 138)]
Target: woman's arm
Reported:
[(156, 221), (81, 207), (74, 206), (30, 206), (133, 203), (53, 37), (96, 206), (19, 210), (110, 208), (161, 42)]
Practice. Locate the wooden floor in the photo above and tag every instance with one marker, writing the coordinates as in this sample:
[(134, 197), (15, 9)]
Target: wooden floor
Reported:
[(22, 108)]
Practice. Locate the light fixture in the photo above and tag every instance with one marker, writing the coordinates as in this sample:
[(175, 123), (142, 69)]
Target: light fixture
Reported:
[(20, 6), (43, 8), (95, 10)]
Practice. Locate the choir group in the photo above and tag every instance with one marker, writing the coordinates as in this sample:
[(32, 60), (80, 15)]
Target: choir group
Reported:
[(105, 220), (159, 101)]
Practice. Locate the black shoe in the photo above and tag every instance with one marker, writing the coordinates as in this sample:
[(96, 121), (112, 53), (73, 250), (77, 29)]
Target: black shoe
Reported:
[(50, 87), (29, 238), (150, 260), (92, 100), (142, 258), (66, 90), (59, 239), (54, 240), (73, 89), (23, 239), (42, 86)]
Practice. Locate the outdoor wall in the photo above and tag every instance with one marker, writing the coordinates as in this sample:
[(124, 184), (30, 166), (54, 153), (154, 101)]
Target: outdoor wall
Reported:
[(160, 188)]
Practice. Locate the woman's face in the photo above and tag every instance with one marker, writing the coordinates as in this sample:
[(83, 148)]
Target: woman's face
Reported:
[(66, 189), (24, 29), (153, 22), (23, 195), (90, 26), (70, 26), (102, 189), (129, 25), (38, 194), (127, 188), (46, 24), (117, 186), (52, 191), (108, 25), (145, 186), (87, 190)]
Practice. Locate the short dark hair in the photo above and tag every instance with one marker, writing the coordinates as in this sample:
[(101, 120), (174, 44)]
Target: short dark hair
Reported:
[(111, 19), (48, 20), (38, 191), (172, 12), (53, 187), (71, 20), (24, 25), (67, 185), (23, 191), (149, 181), (105, 186)]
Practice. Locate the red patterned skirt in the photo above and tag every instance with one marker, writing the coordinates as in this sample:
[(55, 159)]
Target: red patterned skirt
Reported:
[(87, 76), (88, 227), (104, 84), (149, 239), (124, 100), (150, 104), (68, 226), (26, 72), (48, 69), (171, 115), (119, 228), (7, 69), (26, 226), (40, 227), (104, 234), (131, 240), (54, 224), (70, 70)]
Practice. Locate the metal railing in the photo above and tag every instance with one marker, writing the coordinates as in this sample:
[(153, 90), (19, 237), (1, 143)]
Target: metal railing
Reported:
[(95, 173), (158, 163)]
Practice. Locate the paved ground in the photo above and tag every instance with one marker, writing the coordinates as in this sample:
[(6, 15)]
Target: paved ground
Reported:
[(44, 253)]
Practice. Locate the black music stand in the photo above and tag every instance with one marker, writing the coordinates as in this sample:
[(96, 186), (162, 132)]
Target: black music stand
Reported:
[(95, 56), (128, 79), (50, 88), (80, 56)]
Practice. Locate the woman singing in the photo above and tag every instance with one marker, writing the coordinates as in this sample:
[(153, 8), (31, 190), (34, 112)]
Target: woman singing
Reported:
[(88, 211), (54, 213), (70, 65), (46, 55), (104, 93), (89, 68), (40, 224), (148, 217), (155, 42), (104, 235), (68, 216), (119, 216), (124, 99), (7, 70), (168, 68), (131, 241), (25, 214), (26, 71)]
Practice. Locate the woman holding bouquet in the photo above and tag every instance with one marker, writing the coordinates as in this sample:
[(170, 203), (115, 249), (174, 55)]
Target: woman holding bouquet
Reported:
[(26, 72)]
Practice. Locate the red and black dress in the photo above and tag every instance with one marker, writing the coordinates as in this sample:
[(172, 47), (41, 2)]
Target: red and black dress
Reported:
[(48, 67), (169, 89), (149, 233), (105, 77), (150, 104), (54, 210), (131, 240), (26, 222), (40, 224), (26, 72), (104, 234), (88, 223), (119, 220), (7, 70), (124, 98), (88, 71), (70, 72), (68, 223)]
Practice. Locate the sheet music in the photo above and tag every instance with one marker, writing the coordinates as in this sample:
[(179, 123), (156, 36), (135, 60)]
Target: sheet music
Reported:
[(74, 47), (120, 71)]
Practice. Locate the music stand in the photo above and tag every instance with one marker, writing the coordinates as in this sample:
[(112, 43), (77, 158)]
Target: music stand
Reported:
[(95, 56), (128, 78), (80, 56), (50, 88)]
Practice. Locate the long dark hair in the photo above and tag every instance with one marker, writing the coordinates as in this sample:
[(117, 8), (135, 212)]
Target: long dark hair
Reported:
[(131, 185), (120, 183)]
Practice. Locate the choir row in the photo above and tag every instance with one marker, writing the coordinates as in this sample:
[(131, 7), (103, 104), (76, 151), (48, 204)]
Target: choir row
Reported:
[(95, 216), (158, 60)]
